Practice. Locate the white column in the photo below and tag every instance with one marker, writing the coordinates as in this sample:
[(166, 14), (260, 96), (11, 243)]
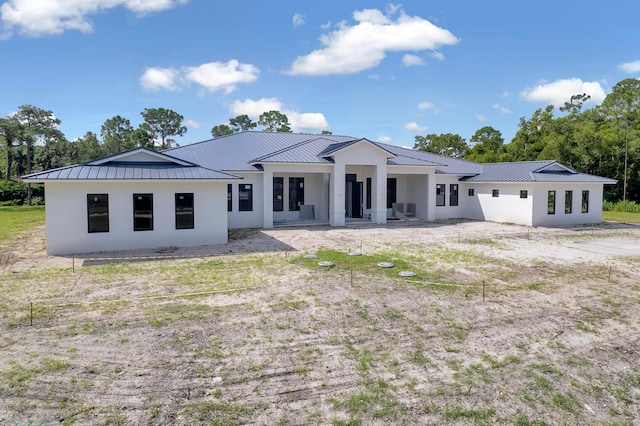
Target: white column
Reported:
[(267, 197), (379, 194), (431, 197), (336, 195)]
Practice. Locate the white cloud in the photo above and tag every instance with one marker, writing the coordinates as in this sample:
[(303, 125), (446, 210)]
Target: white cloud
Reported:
[(326, 26), (560, 91), (298, 19), (299, 121), (216, 76), (502, 109), (159, 78), (351, 49), (630, 67), (505, 94), (384, 139), (192, 123), (481, 118), (437, 55), (415, 127), (411, 60), (428, 105), (40, 17)]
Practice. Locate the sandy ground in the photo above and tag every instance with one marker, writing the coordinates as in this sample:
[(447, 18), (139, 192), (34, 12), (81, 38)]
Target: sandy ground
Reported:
[(127, 338)]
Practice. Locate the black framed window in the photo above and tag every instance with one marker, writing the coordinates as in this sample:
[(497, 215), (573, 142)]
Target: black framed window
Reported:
[(453, 194), (585, 201), (98, 212), (495, 193), (278, 194), (441, 190), (184, 210), (229, 197), (245, 197), (368, 204), (296, 193), (392, 187), (143, 212), (472, 192), (551, 202), (568, 201), (524, 193)]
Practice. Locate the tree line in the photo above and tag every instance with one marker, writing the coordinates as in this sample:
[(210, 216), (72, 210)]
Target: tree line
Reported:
[(603, 140)]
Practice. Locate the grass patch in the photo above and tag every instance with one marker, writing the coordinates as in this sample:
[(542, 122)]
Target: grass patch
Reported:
[(16, 219), (624, 217)]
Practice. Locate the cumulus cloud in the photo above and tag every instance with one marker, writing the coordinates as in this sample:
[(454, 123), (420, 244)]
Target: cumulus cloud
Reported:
[(307, 121), (502, 109), (351, 49), (192, 123), (415, 127), (384, 139), (326, 26), (428, 106), (213, 76), (411, 60), (159, 78), (437, 55), (630, 67), (560, 91), (298, 19), (36, 18), (481, 118)]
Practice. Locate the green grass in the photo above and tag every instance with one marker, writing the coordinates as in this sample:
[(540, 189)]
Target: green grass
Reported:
[(612, 216), (15, 219)]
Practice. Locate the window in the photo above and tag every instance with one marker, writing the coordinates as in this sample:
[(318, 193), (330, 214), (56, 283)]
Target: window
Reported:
[(524, 193), (245, 197), (453, 194), (98, 212), (278, 194), (495, 193), (229, 198), (392, 185), (143, 212), (551, 202), (184, 210), (441, 189), (296, 193), (585, 201), (472, 192), (368, 205), (568, 200)]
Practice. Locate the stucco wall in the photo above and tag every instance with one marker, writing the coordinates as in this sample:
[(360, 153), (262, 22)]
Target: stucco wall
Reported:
[(66, 215), (247, 219), (508, 207), (576, 217)]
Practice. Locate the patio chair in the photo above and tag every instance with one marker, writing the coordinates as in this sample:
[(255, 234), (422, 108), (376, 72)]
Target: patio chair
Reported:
[(398, 210), (411, 210)]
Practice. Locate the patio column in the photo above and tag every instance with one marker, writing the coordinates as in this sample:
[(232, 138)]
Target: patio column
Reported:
[(336, 195), (431, 197), (267, 199), (379, 194)]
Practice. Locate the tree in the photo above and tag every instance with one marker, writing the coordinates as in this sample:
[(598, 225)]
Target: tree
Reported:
[(326, 132), (10, 131), (274, 121), (116, 135), (489, 145), (451, 145), (164, 123), (221, 130), (56, 152), (531, 139), (623, 105), (242, 123), (141, 137), (88, 148)]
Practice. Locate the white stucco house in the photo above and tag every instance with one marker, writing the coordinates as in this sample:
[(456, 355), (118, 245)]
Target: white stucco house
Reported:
[(192, 195)]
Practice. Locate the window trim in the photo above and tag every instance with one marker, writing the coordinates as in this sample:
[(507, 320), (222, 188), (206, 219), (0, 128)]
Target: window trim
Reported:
[(453, 194), (551, 202), (90, 212), (248, 188), (495, 193), (472, 192), (585, 201), (524, 193), (191, 223), (441, 194), (568, 207), (135, 211), (229, 197)]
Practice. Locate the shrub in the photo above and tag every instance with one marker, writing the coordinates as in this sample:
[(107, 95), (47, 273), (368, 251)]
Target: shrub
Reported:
[(14, 193), (621, 206)]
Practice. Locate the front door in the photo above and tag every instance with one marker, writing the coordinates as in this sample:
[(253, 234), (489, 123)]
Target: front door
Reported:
[(354, 196)]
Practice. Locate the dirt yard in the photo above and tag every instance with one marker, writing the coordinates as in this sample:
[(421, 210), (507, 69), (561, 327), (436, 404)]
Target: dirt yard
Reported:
[(502, 324)]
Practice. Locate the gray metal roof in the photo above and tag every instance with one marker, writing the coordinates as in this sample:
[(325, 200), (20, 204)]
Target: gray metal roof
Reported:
[(304, 152), (128, 171), (532, 171), (445, 165)]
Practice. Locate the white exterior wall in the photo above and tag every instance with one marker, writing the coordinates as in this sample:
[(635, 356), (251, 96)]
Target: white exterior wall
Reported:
[(448, 211), (576, 217), (67, 221), (508, 207), (255, 217)]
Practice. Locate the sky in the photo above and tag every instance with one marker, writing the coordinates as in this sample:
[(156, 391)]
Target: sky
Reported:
[(372, 69)]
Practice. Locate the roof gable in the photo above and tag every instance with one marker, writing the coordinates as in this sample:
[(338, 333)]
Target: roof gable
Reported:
[(139, 155), (335, 148)]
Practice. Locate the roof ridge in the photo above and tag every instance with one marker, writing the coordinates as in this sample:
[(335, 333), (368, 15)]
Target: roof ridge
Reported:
[(280, 151)]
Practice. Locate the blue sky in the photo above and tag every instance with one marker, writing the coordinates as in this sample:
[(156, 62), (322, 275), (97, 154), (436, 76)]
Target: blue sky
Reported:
[(384, 71)]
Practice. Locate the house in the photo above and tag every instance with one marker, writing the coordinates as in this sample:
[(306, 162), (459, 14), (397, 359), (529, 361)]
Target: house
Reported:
[(192, 195)]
